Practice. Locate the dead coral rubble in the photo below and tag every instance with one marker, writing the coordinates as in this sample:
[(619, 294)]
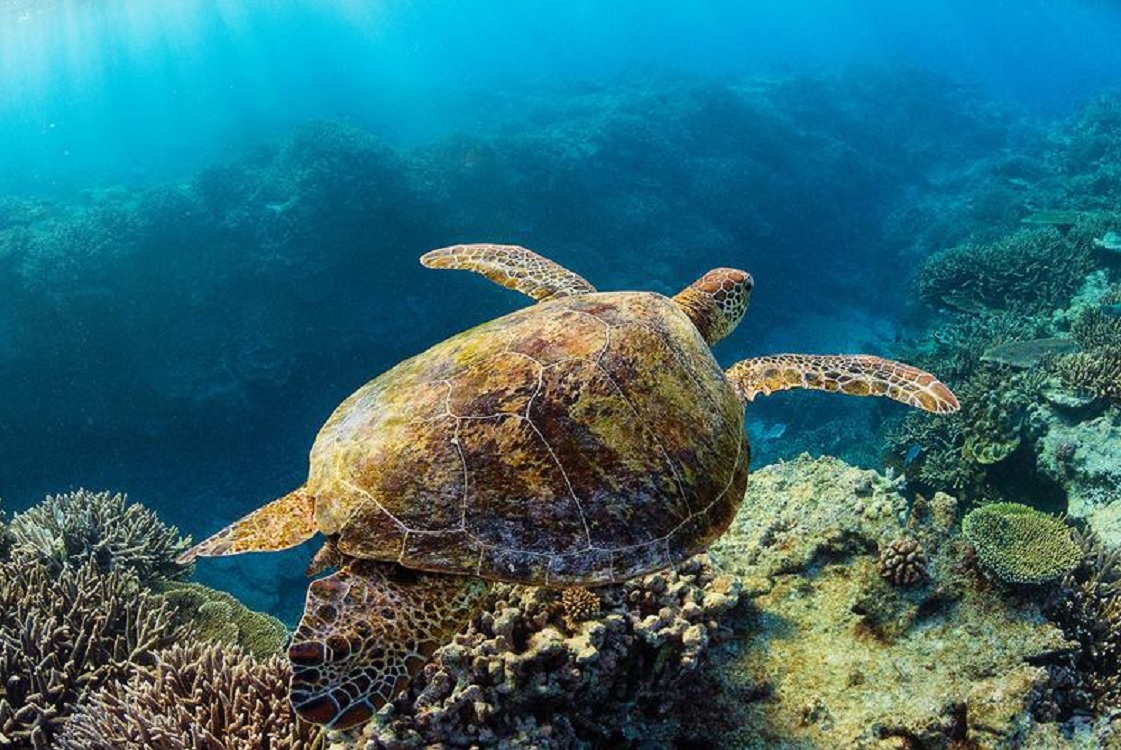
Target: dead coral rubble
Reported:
[(195, 697)]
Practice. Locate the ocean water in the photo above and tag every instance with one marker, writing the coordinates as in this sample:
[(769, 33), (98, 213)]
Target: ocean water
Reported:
[(211, 212)]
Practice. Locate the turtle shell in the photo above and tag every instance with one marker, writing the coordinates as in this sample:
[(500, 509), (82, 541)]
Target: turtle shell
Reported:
[(583, 440)]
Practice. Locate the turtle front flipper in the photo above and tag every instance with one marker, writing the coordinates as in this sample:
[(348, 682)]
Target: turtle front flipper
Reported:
[(856, 375), (281, 524), (366, 631), (513, 267)]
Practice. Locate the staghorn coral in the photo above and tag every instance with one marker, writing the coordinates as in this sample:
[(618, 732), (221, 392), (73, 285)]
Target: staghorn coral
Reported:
[(903, 562), (1019, 544), (67, 530), (518, 678), (195, 697), (65, 633), (214, 615), (1096, 369), (1028, 271)]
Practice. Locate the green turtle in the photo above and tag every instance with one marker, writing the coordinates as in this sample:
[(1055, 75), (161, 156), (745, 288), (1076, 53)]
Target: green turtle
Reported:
[(584, 440)]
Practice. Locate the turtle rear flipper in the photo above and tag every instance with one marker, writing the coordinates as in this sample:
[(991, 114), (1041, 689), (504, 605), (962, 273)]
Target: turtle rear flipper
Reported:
[(366, 631), (281, 524), (513, 267), (855, 375)]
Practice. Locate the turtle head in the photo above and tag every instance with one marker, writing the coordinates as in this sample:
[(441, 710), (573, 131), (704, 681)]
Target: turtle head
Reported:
[(717, 301)]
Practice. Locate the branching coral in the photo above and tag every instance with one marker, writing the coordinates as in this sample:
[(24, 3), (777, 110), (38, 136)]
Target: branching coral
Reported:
[(1097, 373), (197, 696), (1087, 607), (65, 633), (67, 530), (1095, 370), (1019, 544), (1029, 271)]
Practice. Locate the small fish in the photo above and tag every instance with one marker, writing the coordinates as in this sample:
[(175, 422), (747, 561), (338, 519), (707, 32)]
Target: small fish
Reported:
[(775, 431), (912, 454), (1111, 241), (1112, 311)]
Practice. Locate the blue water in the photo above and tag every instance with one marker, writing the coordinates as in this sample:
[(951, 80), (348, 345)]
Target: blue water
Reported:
[(210, 213)]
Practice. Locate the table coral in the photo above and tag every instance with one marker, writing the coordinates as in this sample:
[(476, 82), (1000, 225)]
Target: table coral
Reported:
[(1019, 544)]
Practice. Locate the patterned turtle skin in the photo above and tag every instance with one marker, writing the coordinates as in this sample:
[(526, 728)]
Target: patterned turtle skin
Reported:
[(584, 440)]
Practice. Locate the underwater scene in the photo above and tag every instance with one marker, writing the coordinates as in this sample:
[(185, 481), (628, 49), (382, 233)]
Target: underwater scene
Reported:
[(274, 477)]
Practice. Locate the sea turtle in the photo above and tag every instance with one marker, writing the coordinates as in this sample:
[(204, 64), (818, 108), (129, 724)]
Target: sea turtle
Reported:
[(584, 440)]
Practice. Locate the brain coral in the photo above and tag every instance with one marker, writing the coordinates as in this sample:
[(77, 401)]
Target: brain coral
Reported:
[(1020, 544)]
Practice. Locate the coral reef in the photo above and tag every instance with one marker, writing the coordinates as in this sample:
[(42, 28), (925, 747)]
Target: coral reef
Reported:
[(1087, 607), (216, 616), (196, 696), (1019, 544), (65, 633), (831, 655), (526, 675), (1027, 271), (789, 638), (68, 530), (960, 454)]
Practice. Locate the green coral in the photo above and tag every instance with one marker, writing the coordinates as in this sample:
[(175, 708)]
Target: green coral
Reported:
[(217, 616), (1020, 544), (1031, 270)]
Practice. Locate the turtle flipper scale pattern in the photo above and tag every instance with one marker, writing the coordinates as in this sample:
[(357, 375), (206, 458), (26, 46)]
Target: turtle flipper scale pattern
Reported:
[(281, 524), (366, 631), (513, 267), (855, 375)]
